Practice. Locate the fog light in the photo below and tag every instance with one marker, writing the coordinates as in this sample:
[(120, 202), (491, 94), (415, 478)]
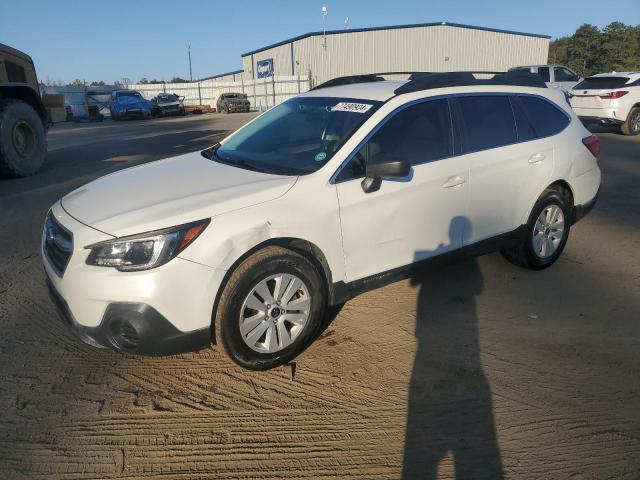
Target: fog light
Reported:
[(123, 335)]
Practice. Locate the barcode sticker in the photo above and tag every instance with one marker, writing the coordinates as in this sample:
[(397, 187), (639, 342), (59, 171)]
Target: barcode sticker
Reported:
[(352, 107)]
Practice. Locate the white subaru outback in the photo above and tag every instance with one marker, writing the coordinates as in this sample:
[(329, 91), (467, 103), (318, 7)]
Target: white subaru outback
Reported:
[(610, 99), (338, 190)]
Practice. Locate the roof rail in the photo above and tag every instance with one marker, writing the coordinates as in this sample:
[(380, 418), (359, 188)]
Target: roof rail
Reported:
[(363, 78), (426, 81)]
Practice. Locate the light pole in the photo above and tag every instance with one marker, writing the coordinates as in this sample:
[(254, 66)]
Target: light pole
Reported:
[(189, 50), (325, 12)]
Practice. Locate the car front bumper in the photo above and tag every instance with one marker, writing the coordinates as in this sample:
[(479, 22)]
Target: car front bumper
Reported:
[(160, 311), (132, 328)]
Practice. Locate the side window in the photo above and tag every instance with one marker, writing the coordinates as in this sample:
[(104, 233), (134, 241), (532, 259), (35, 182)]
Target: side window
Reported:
[(418, 134), (15, 73), (544, 73), (488, 122), (564, 75), (524, 129), (547, 120)]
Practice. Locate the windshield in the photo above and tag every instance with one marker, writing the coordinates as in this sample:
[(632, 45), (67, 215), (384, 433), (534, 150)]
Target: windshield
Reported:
[(234, 95), (601, 83), (167, 98), (298, 136)]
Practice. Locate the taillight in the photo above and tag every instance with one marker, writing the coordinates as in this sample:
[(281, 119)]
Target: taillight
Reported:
[(613, 95), (592, 143)]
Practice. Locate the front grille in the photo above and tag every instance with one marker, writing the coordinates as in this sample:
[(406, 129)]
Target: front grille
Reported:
[(57, 244)]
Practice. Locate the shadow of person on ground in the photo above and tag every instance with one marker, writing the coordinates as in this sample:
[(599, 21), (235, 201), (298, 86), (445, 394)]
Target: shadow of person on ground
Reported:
[(450, 409)]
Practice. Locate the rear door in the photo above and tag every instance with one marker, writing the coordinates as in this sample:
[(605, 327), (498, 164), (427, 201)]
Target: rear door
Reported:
[(508, 164)]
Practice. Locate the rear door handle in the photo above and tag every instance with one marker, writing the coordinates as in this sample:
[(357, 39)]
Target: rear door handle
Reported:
[(536, 158), (454, 181)]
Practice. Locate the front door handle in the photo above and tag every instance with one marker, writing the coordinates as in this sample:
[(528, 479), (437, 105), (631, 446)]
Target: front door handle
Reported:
[(536, 158), (454, 181)]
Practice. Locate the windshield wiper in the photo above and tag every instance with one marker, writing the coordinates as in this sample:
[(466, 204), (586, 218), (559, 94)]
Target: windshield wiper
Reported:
[(212, 154)]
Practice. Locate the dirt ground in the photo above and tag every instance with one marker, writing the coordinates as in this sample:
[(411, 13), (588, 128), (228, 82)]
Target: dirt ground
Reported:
[(473, 370)]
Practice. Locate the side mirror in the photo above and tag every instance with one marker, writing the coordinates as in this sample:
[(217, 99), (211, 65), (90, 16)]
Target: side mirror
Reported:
[(376, 172)]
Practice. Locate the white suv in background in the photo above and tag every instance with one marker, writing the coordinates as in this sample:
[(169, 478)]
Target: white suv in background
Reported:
[(609, 98), (333, 192)]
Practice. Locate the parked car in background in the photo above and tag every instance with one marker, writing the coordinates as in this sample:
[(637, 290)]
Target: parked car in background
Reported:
[(556, 76), (232, 102), (167, 104), (326, 195), (128, 104), (609, 98)]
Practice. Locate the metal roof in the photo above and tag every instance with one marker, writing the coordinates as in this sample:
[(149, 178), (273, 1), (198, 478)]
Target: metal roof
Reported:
[(393, 27), (235, 72)]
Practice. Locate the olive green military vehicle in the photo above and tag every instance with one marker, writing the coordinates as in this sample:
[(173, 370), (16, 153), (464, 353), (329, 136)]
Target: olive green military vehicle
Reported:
[(24, 119)]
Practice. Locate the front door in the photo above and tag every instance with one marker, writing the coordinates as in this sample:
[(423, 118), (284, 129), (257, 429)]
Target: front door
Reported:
[(412, 218)]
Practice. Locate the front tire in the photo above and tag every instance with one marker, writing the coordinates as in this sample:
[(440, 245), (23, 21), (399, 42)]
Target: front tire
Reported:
[(632, 125), (270, 309), (23, 145), (546, 232)]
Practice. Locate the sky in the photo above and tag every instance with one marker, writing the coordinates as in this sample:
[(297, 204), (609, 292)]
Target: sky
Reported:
[(112, 40)]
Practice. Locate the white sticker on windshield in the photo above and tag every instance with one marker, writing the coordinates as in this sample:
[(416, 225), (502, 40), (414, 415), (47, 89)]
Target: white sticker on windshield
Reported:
[(352, 107)]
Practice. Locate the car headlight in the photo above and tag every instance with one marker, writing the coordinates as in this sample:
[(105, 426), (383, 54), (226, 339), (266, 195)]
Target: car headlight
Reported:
[(145, 250)]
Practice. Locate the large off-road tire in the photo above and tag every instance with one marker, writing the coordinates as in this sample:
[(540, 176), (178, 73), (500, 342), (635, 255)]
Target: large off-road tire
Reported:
[(632, 125), (546, 232), (271, 308), (23, 143)]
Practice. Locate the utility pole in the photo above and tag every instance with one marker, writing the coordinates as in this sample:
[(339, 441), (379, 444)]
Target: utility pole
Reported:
[(325, 12), (190, 73)]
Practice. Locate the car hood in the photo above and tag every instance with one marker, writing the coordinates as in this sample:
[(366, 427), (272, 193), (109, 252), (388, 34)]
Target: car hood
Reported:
[(170, 192)]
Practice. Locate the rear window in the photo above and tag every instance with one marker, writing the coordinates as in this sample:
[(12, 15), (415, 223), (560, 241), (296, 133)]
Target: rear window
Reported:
[(546, 119), (523, 124), (601, 83), (488, 121)]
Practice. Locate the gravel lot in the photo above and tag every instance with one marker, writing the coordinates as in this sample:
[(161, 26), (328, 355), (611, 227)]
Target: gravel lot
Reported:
[(474, 370)]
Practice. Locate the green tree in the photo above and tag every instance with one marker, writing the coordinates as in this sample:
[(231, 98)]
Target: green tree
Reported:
[(144, 80), (589, 50), (178, 80), (77, 83), (620, 48), (584, 49), (99, 83)]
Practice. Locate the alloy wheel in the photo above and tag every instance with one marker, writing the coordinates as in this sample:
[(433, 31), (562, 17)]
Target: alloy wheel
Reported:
[(548, 231), (274, 313)]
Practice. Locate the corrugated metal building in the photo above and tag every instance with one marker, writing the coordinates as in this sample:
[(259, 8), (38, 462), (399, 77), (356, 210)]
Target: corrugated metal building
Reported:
[(420, 47)]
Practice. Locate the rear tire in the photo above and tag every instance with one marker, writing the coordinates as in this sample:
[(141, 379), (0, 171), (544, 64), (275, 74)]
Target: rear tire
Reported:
[(243, 331), (23, 143), (632, 125), (546, 232)]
